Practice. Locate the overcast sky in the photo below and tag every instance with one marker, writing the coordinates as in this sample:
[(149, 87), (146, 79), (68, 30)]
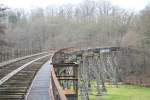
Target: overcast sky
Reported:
[(128, 4)]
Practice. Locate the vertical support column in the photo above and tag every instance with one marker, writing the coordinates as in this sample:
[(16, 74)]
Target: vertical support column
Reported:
[(97, 74), (101, 65), (82, 81)]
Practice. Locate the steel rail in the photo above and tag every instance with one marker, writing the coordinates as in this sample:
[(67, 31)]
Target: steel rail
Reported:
[(8, 76), (21, 58)]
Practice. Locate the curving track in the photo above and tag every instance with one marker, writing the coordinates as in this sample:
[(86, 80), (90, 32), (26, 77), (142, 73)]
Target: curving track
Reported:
[(16, 78)]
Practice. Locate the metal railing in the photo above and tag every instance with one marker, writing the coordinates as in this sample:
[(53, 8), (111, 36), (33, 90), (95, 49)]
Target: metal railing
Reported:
[(57, 90)]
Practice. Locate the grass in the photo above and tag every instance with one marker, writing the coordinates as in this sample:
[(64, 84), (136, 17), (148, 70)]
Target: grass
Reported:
[(124, 92), (127, 92)]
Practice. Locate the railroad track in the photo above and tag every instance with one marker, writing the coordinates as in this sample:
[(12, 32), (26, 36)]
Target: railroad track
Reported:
[(9, 67), (16, 78)]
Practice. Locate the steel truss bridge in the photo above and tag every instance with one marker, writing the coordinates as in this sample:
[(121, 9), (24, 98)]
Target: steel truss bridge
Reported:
[(67, 74)]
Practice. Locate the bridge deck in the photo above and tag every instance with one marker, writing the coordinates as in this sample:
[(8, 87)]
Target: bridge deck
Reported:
[(39, 89)]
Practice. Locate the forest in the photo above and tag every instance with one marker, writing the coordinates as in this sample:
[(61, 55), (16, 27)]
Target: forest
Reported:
[(92, 24)]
